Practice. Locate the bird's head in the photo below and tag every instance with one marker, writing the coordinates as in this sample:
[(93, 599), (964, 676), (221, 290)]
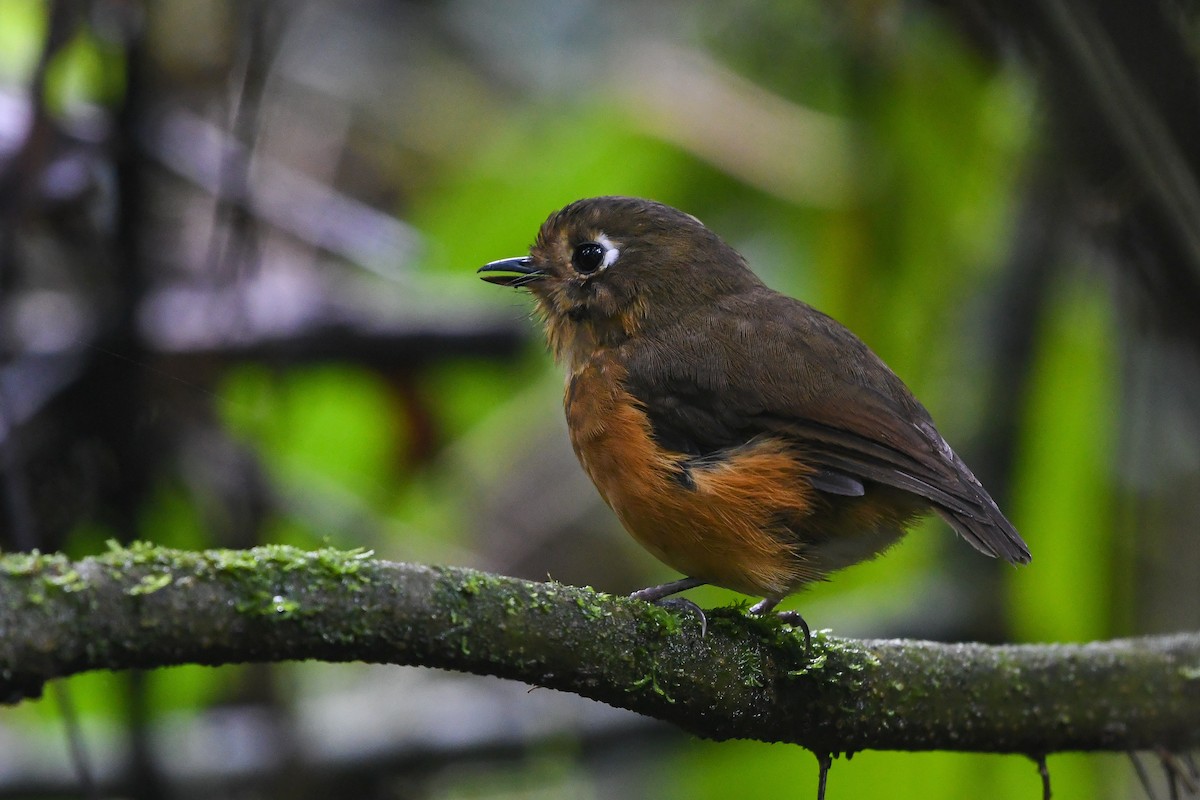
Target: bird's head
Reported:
[(608, 268)]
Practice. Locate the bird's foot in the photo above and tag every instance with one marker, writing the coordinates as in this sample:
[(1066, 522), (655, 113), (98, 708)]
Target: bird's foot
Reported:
[(661, 596), (794, 619), (683, 604), (767, 604)]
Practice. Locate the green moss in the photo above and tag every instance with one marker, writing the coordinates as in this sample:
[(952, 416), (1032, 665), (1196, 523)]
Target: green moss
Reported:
[(478, 583), (22, 564), (285, 556), (473, 585), (332, 566), (667, 622), (750, 668), (542, 601), (814, 664), (591, 610), (284, 606), (650, 682), (68, 581), (252, 606), (269, 604), (344, 562), (149, 584)]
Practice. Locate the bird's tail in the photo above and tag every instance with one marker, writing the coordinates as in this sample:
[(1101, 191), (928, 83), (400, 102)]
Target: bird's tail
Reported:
[(981, 522)]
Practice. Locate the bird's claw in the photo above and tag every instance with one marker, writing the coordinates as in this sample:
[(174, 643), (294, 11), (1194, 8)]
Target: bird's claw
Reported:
[(686, 605), (793, 618), (661, 596), (767, 604)]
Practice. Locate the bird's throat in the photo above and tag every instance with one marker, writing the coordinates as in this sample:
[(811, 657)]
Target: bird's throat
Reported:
[(574, 338), (571, 341)]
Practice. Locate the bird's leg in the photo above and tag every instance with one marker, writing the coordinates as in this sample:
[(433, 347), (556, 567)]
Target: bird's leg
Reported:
[(766, 605), (658, 595), (652, 594)]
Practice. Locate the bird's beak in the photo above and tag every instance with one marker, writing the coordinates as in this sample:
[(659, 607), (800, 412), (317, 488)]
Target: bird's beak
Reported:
[(522, 268)]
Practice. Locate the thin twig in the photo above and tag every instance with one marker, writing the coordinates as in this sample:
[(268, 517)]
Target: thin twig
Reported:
[(1044, 772), (1143, 776), (824, 760)]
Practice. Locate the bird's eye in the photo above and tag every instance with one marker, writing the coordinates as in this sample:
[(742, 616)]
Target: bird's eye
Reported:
[(587, 257)]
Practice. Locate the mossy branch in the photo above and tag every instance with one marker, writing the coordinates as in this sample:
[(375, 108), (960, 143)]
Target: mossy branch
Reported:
[(148, 606)]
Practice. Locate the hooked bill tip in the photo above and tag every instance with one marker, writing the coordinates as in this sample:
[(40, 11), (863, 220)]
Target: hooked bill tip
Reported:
[(519, 271)]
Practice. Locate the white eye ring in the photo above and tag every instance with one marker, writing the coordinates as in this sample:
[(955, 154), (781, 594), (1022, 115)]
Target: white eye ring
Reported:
[(611, 251)]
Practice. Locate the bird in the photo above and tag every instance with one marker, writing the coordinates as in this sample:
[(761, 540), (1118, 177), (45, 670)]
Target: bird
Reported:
[(741, 436)]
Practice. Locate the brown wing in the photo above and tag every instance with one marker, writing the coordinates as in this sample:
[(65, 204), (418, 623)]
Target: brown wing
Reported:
[(770, 365)]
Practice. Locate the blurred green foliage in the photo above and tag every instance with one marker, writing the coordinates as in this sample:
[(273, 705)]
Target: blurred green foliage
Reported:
[(1064, 478), (330, 426), (86, 70), (21, 36)]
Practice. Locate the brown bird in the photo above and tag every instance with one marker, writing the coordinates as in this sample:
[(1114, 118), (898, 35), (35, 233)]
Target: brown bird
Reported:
[(741, 436)]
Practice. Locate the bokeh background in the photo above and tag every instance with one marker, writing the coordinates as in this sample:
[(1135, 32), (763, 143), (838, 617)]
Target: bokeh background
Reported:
[(238, 305)]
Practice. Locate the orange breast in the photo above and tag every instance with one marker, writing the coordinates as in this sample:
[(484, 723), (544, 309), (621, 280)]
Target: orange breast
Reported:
[(720, 523)]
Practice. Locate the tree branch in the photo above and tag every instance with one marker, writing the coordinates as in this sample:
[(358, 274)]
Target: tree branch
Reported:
[(747, 678)]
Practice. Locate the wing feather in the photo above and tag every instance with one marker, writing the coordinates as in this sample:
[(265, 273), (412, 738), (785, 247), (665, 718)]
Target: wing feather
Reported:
[(785, 369)]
